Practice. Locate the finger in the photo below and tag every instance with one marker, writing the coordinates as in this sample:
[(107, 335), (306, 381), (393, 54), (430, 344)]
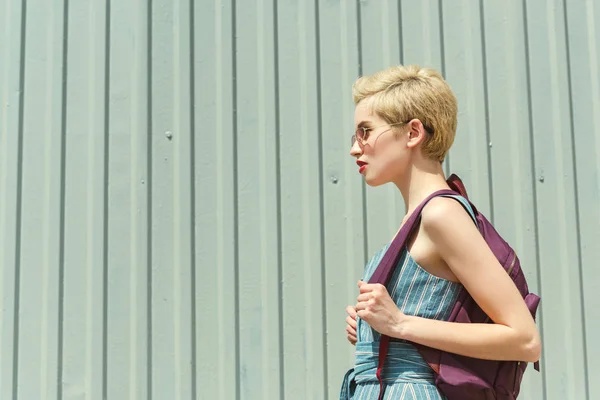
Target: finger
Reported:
[(368, 287), (351, 321), (364, 286), (376, 289), (363, 314), (362, 305), (351, 311), (352, 339), (350, 330), (364, 297)]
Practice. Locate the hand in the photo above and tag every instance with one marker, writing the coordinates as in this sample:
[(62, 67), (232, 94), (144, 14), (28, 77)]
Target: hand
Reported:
[(351, 324), (376, 307)]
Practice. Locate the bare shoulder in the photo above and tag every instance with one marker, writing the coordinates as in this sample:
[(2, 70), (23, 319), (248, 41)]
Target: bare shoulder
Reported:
[(451, 229), (443, 213)]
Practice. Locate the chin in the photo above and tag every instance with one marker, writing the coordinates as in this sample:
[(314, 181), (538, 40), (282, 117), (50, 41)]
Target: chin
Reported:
[(374, 182)]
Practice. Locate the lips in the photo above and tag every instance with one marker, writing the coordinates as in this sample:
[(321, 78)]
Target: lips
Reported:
[(361, 166)]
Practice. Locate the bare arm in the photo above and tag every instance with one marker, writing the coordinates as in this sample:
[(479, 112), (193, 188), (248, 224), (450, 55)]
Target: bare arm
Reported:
[(513, 336)]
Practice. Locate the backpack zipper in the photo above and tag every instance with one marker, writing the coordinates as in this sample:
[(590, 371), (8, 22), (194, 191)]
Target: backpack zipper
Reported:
[(512, 264), (515, 378)]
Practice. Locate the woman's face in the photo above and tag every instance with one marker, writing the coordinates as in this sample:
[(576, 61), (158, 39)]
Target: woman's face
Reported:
[(382, 154)]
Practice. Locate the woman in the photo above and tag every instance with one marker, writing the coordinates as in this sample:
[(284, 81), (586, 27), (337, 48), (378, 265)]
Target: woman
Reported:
[(405, 120)]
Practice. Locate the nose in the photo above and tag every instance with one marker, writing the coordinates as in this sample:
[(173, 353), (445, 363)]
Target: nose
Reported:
[(355, 150)]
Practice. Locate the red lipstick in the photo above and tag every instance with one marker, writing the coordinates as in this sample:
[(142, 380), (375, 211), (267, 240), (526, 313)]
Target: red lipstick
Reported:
[(361, 166)]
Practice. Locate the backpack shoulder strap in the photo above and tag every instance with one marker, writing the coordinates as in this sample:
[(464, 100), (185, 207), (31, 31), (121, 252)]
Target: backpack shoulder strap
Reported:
[(386, 266)]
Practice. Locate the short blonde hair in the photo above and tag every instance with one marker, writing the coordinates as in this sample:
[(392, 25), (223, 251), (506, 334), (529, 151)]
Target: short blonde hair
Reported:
[(401, 93)]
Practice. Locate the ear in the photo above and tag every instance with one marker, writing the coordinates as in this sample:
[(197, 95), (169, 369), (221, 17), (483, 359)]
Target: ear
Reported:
[(416, 134)]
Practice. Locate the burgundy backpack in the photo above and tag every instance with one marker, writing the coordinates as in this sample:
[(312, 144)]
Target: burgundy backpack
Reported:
[(459, 377)]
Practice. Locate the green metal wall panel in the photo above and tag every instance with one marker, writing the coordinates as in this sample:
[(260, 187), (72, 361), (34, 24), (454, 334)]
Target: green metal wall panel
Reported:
[(179, 215)]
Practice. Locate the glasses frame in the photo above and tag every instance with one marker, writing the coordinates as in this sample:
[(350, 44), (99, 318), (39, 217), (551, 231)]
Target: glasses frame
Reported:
[(362, 138)]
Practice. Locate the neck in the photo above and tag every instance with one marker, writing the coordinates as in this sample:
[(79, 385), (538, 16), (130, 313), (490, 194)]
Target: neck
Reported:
[(421, 180)]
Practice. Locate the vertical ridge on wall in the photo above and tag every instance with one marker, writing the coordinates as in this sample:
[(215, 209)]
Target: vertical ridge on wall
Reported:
[(510, 154), (576, 200), (322, 271), (62, 198), (343, 220), (192, 183), (538, 289), (19, 206), (162, 137), (182, 238), (582, 40), (10, 278), (257, 159), (17, 184), (381, 47), (216, 238), (301, 242), (236, 210), (363, 186), (39, 135), (84, 192), (129, 333), (443, 67), (277, 139), (466, 76), (486, 90), (105, 214), (582, 280), (150, 201)]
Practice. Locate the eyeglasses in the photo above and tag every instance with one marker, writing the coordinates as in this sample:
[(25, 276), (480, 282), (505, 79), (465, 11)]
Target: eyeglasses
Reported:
[(362, 134)]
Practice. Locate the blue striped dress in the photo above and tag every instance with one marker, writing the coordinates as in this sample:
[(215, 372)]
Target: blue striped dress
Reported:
[(406, 375)]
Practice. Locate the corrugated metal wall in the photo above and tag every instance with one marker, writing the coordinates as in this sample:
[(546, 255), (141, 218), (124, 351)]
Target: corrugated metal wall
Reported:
[(179, 216)]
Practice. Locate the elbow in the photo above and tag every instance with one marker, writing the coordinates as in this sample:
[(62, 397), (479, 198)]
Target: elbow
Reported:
[(532, 348)]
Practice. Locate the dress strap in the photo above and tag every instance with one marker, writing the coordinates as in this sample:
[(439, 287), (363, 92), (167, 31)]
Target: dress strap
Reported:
[(466, 205)]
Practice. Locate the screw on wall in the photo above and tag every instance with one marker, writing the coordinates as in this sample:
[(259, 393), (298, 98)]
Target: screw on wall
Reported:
[(169, 135)]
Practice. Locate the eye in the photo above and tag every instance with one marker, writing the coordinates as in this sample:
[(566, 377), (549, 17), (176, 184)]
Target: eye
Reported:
[(366, 131)]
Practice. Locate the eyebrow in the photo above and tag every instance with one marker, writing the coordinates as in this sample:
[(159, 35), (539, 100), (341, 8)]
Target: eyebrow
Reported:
[(363, 124)]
